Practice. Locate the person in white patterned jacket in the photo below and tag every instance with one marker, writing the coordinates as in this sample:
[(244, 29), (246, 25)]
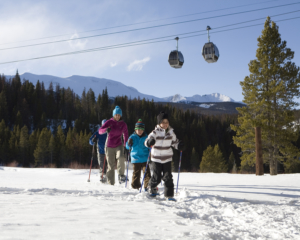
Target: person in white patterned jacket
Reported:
[(161, 139)]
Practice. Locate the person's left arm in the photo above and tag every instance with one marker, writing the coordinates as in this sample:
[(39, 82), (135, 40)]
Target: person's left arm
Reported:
[(175, 141)]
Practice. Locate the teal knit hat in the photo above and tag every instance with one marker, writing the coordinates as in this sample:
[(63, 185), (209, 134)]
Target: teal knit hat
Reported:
[(140, 125), (117, 110)]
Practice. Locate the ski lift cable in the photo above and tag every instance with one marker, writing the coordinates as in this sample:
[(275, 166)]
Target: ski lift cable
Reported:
[(174, 35), (133, 44), (132, 24), (226, 30), (144, 28)]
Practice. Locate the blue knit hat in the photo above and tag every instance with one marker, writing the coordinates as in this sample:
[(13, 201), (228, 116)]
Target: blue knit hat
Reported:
[(103, 121), (117, 110)]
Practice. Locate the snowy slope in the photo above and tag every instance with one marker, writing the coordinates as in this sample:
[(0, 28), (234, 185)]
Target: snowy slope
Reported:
[(115, 88), (60, 204)]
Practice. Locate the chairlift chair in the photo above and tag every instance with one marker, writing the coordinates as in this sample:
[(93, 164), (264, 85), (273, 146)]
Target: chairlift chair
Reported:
[(210, 51), (176, 59)]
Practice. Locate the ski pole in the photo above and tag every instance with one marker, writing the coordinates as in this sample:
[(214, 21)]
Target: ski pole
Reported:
[(178, 171), (91, 161), (127, 167), (146, 168), (103, 167)]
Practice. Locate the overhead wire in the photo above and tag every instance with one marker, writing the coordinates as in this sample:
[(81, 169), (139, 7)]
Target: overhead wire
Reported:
[(138, 43), (132, 24), (150, 27)]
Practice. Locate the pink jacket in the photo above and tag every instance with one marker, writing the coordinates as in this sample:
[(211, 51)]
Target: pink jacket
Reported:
[(116, 131)]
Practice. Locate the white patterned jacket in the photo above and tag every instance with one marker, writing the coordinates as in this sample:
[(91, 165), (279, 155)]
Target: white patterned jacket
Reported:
[(161, 151)]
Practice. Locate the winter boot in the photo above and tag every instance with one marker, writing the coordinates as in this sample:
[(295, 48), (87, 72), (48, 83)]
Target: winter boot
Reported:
[(122, 179), (154, 192), (103, 179)]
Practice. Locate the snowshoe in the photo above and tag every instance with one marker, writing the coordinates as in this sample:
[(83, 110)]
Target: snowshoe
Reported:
[(103, 179), (122, 179), (154, 192), (171, 199)]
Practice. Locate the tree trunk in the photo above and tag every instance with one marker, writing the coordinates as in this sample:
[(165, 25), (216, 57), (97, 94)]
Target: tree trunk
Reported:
[(273, 166), (258, 150)]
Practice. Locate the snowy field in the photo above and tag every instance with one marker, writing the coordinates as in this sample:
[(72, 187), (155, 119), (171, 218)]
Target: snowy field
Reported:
[(61, 204)]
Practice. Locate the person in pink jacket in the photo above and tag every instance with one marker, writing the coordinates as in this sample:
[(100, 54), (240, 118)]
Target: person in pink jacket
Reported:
[(115, 149)]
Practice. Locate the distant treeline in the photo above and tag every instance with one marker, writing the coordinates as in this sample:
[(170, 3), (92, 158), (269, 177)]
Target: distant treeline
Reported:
[(43, 127)]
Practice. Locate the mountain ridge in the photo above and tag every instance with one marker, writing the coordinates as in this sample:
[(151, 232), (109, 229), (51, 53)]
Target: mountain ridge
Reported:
[(115, 88)]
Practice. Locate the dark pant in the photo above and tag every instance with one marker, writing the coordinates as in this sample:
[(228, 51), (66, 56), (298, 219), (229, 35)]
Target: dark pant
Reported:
[(136, 176), (162, 172)]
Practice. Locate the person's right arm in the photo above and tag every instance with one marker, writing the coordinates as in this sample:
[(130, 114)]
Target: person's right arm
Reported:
[(104, 127), (151, 136), (127, 145), (92, 137)]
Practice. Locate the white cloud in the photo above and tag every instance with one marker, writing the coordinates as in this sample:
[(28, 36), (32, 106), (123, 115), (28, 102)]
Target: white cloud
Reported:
[(113, 64), (138, 65), (77, 43)]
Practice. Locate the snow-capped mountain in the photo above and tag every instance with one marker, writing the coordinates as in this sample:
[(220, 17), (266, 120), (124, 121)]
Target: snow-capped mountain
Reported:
[(175, 98), (115, 88), (213, 97)]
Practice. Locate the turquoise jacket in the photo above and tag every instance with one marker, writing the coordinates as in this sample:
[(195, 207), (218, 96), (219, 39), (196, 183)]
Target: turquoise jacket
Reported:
[(139, 153)]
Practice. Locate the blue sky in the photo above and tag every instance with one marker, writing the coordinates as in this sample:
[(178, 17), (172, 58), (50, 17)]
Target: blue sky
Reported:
[(144, 67)]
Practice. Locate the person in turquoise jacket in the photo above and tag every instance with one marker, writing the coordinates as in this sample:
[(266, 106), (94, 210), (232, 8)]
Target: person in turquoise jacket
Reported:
[(139, 155)]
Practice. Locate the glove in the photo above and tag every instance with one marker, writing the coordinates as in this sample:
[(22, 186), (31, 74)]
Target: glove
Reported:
[(94, 139), (150, 142), (125, 152), (181, 146), (130, 142), (108, 130)]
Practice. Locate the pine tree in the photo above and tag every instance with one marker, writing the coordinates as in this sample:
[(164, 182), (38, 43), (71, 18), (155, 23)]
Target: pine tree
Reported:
[(52, 148), (195, 160), (4, 145), (60, 146), (50, 102), (24, 145), (19, 120), (3, 107), (213, 160), (33, 140), (269, 93), (70, 146), (104, 106), (41, 153)]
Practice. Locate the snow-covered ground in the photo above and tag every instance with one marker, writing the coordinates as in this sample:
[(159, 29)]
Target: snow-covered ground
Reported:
[(60, 204)]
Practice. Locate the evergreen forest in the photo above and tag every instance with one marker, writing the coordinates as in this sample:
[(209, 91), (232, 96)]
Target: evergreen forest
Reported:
[(51, 127)]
